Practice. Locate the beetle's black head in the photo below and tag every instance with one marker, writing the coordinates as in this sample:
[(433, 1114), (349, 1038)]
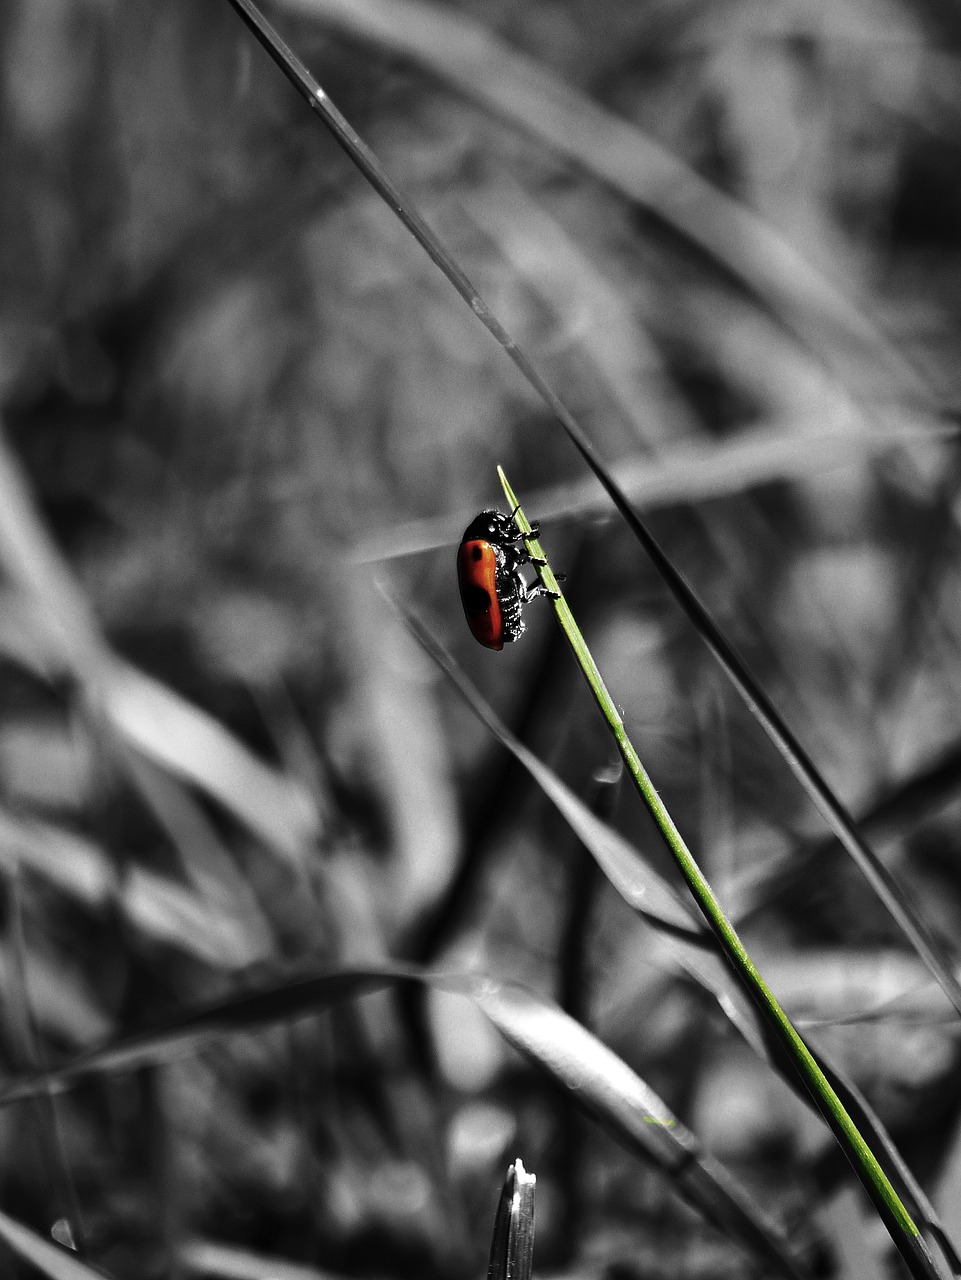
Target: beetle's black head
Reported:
[(493, 526)]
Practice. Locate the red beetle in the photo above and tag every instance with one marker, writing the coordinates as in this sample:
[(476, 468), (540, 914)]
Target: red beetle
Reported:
[(492, 588)]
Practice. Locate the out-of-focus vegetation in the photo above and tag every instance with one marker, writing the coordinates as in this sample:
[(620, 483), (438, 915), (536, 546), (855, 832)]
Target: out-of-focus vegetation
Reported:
[(235, 394)]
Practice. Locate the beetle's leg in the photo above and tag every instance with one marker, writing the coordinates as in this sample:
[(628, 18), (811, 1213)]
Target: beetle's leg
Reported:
[(538, 589), (539, 560), (535, 528)]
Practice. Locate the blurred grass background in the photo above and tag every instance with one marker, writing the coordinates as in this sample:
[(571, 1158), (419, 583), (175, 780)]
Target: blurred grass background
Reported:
[(232, 387)]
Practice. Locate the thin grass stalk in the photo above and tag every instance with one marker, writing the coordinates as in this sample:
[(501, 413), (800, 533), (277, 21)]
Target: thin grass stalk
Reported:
[(593, 1076), (469, 56), (799, 761), (648, 895), (900, 1224), (46, 1116)]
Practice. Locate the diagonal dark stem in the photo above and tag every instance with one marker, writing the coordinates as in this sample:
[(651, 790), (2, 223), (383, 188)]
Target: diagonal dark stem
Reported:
[(797, 758)]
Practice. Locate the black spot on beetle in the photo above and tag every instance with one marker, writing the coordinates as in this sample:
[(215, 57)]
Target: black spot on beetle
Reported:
[(476, 600)]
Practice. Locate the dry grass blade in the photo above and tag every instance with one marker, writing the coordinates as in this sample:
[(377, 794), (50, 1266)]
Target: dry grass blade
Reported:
[(531, 98), (271, 1004), (142, 712), (158, 907), (49, 1258), (695, 473), (597, 1079), (194, 746), (629, 1110), (164, 911), (833, 986), (637, 882), (211, 1258), (892, 815), (73, 863)]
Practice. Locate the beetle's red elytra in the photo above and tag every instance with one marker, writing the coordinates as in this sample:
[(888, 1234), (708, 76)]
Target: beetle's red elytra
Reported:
[(492, 589)]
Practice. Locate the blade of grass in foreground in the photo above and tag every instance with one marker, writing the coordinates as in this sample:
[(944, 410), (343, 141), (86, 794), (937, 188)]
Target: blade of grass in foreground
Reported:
[(648, 894), (595, 1078), (601, 1083), (51, 1259), (767, 715), (903, 1230), (512, 1239)]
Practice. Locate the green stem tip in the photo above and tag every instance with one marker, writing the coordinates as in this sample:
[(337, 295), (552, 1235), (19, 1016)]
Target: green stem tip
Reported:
[(884, 1196)]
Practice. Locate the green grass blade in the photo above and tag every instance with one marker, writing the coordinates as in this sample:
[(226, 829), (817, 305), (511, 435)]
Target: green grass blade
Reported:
[(647, 893), (802, 765), (899, 1222)]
